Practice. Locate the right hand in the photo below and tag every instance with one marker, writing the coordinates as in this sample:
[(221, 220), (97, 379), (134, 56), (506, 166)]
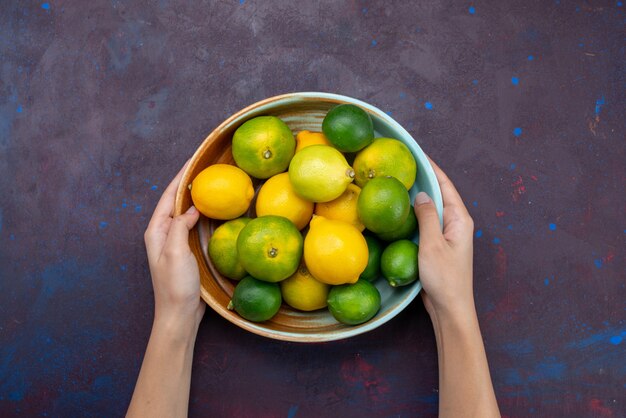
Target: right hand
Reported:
[(445, 258)]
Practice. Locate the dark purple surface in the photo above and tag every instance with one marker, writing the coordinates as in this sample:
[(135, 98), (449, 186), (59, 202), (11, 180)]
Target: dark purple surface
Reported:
[(522, 103)]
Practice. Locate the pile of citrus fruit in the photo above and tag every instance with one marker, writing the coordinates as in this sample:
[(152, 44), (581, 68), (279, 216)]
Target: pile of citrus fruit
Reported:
[(324, 229)]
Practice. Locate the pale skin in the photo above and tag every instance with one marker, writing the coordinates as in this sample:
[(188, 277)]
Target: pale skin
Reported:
[(445, 266)]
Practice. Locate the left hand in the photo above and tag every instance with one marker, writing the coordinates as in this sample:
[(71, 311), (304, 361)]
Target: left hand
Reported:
[(174, 269)]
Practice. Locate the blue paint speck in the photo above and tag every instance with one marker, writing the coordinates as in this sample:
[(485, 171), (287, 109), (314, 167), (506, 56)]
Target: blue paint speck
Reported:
[(552, 226), (509, 227), (598, 262), (428, 105), (364, 10), (293, 409), (479, 233), (475, 203), (515, 81), (546, 281), (496, 240), (402, 95), (153, 187), (512, 166), (474, 82), (388, 112), (581, 44), (123, 267), (147, 181), (12, 237), (599, 103), (45, 6), (138, 208), (374, 42), (242, 1), (471, 10), (619, 4), (19, 109), (615, 340), (517, 131), (103, 224), (124, 204), (530, 58)]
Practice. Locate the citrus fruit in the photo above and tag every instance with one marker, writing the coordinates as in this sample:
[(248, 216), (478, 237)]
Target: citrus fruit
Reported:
[(383, 204), (301, 291), (256, 300), (306, 138), (385, 157), (277, 197), (230, 183), (405, 231), (335, 252), (343, 208), (223, 248), (270, 248), (320, 173), (353, 304), (374, 250), (399, 262), (348, 127), (263, 146)]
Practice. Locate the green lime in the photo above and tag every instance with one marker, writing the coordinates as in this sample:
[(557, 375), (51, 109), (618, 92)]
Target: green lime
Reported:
[(399, 262), (348, 127), (263, 146), (353, 304), (385, 157), (223, 248), (256, 300), (270, 248), (383, 204), (374, 249), (406, 231)]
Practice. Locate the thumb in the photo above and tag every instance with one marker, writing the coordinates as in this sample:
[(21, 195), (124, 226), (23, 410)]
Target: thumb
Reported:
[(178, 235), (427, 217)]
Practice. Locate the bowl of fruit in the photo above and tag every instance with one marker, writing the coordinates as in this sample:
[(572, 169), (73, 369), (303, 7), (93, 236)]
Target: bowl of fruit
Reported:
[(307, 232)]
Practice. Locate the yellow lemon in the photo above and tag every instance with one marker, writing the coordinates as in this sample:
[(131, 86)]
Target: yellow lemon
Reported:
[(306, 138), (335, 252), (303, 292), (277, 197), (385, 157), (344, 208), (320, 173), (222, 191)]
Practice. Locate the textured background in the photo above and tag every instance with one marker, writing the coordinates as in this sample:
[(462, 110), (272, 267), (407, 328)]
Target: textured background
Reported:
[(522, 103)]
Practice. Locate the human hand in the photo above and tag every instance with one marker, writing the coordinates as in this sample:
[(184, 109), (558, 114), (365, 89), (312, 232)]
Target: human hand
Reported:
[(174, 269), (445, 258)]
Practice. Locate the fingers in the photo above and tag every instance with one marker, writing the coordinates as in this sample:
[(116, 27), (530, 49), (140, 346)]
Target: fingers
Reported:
[(448, 192), (177, 239), (427, 217), (165, 206)]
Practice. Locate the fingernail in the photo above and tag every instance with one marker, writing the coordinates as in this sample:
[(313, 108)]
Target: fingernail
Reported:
[(191, 210), (422, 198)]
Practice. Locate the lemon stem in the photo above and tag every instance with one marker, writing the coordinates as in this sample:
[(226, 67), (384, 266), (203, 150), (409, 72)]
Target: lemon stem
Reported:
[(230, 306), (350, 173), (267, 154), (273, 252)]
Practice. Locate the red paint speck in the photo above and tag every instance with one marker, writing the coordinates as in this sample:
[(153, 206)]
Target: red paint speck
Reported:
[(518, 188), (598, 409), (499, 213), (359, 373), (533, 177)]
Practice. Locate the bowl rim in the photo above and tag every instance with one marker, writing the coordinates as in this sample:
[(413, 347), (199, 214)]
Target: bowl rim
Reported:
[(379, 319)]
